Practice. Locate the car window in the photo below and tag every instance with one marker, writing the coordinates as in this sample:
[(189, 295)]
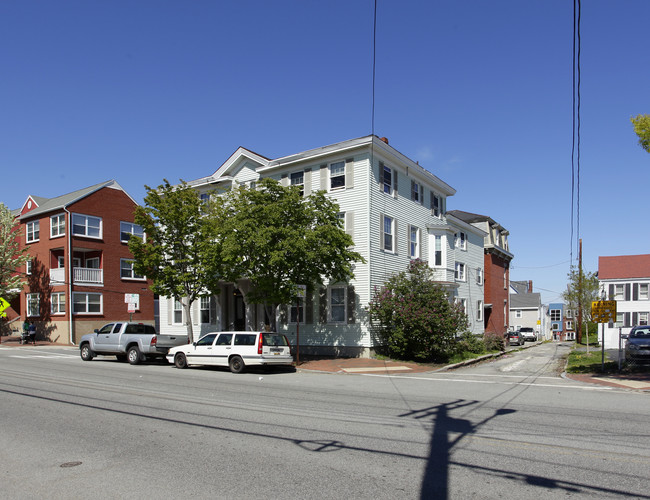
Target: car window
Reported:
[(245, 339), (273, 339), (224, 339), (641, 333), (106, 328), (206, 339)]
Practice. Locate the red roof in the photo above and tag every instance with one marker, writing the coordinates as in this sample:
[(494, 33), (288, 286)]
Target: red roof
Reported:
[(624, 266)]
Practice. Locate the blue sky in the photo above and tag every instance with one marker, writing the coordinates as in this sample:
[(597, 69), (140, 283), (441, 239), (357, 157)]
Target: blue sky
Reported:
[(479, 92)]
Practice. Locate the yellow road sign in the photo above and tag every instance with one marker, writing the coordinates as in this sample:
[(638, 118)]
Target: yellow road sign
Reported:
[(603, 311), (3, 305)]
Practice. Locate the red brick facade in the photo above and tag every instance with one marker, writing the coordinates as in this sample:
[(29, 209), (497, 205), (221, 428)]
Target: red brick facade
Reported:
[(496, 291)]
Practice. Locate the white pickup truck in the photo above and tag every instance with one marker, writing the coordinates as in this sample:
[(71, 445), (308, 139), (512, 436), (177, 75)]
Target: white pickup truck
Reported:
[(134, 342)]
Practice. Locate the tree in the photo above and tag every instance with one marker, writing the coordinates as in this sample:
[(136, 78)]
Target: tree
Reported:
[(413, 316), (11, 256), (642, 129), (582, 290), (274, 239), (180, 250)]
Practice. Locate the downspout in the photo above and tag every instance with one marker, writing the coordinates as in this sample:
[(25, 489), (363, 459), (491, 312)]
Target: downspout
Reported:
[(70, 272)]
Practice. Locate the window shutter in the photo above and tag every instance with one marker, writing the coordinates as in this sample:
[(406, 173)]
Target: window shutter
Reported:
[(635, 318), (627, 291), (395, 238), (309, 307), (323, 178), (307, 181), (381, 177), (195, 311), (626, 320), (284, 181), (170, 310), (395, 188), (635, 293), (349, 223), (322, 305), (351, 305), (213, 310), (381, 231), (349, 173), (611, 292), (412, 190)]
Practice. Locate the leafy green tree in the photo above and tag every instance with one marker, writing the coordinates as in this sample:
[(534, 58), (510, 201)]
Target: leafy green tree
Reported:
[(180, 250), (642, 129), (413, 316), (274, 239), (582, 290), (11, 256)]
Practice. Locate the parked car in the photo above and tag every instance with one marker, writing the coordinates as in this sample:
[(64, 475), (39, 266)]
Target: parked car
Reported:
[(515, 338), (235, 350), (528, 333), (637, 346)]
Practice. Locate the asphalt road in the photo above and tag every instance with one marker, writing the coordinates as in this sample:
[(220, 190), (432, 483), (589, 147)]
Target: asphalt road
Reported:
[(507, 429)]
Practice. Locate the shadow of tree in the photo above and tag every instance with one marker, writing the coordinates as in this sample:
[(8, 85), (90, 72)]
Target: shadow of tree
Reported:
[(39, 282)]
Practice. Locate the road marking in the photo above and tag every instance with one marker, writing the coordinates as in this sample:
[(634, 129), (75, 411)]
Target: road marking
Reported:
[(376, 369)]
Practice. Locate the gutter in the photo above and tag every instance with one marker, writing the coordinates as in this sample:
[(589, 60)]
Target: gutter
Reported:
[(70, 272)]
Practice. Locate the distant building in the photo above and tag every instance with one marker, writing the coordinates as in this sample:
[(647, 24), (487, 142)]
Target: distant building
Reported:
[(562, 321), (625, 279), (526, 308)]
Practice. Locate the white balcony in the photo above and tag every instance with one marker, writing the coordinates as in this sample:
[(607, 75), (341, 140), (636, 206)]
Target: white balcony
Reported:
[(81, 275)]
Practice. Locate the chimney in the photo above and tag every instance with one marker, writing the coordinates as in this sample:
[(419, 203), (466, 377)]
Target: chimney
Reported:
[(530, 286), (384, 139)]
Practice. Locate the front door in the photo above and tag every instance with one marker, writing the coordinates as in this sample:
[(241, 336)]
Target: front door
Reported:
[(240, 312)]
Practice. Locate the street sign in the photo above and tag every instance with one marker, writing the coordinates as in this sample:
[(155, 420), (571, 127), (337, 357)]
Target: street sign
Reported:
[(133, 300), (603, 311), (3, 305)]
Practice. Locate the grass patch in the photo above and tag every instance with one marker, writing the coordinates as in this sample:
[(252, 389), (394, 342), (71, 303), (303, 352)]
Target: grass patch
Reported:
[(581, 362)]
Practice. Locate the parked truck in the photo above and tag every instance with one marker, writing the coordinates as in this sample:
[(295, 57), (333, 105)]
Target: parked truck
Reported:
[(132, 342)]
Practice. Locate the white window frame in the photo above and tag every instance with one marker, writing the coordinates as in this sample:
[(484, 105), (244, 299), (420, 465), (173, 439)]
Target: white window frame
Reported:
[(619, 292), (479, 310), (414, 243), (643, 318), (463, 303), (555, 314), (439, 239), (569, 325), (77, 220), (336, 172), (93, 263), (340, 290), (459, 271), (32, 231), (61, 261), (388, 237), (33, 305), (479, 275), (620, 320), (132, 229), (568, 313), (57, 303), (417, 192), (57, 226), (297, 310), (518, 314), (644, 291), (29, 266), (388, 181), (461, 240), (204, 309), (298, 179), (87, 303), (177, 312), (436, 205), (123, 268)]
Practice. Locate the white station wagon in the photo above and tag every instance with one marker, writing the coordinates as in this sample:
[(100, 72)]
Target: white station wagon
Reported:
[(234, 349)]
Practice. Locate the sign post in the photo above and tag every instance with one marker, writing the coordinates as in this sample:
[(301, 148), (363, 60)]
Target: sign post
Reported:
[(603, 311), (133, 302)]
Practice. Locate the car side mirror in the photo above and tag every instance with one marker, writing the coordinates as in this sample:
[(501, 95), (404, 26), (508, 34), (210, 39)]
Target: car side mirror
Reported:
[(194, 344), (96, 330)]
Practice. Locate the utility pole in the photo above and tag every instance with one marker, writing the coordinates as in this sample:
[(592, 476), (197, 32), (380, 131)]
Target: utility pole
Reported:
[(580, 296)]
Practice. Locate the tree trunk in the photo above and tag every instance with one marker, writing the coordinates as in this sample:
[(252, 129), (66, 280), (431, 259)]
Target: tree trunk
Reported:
[(187, 306)]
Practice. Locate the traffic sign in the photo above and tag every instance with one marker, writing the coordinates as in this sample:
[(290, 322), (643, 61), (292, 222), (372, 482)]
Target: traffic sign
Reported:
[(3, 305), (603, 311)]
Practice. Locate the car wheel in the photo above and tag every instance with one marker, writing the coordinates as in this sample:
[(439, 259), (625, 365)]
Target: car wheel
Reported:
[(236, 364), (133, 355), (180, 361), (87, 353)]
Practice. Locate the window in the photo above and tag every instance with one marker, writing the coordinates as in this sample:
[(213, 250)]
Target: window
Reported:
[(414, 242), (205, 309), (569, 313), (619, 292), (461, 241), (438, 251), (33, 232), (33, 300), (337, 304), (205, 198), (556, 314), (29, 265), (92, 263), (57, 225), (57, 303), (86, 225), (337, 175), (208, 339), (555, 327), (297, 311), (620, 320), (178, 312), (462, 303), (436, 205), (518, 314), (128, 229), (298, 179), (388, 232), (86, 303), (505, 278), (417, 193), (386, 174), (127, 271), (479, 310), (643, 291), (569, 325), (479, 276), (643, 318), (459, 272)]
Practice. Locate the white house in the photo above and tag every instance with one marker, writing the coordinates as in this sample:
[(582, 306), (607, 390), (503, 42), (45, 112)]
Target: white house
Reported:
[(526, 309), (625, 279), (394, 209)]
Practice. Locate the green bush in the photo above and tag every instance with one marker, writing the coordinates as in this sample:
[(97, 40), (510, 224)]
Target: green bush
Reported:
[(494, 342), (468, 342)]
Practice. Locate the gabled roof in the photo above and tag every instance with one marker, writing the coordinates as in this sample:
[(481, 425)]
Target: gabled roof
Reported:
[(45, 205), (471, 218), (525, 300), (519, 286), (624, 266)]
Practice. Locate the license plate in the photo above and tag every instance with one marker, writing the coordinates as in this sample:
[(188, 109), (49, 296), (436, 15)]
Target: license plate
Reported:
[(276, 350)]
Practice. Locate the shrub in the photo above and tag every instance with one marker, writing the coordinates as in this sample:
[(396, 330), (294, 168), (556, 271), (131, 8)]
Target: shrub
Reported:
[(468, 342), (494, 342)]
